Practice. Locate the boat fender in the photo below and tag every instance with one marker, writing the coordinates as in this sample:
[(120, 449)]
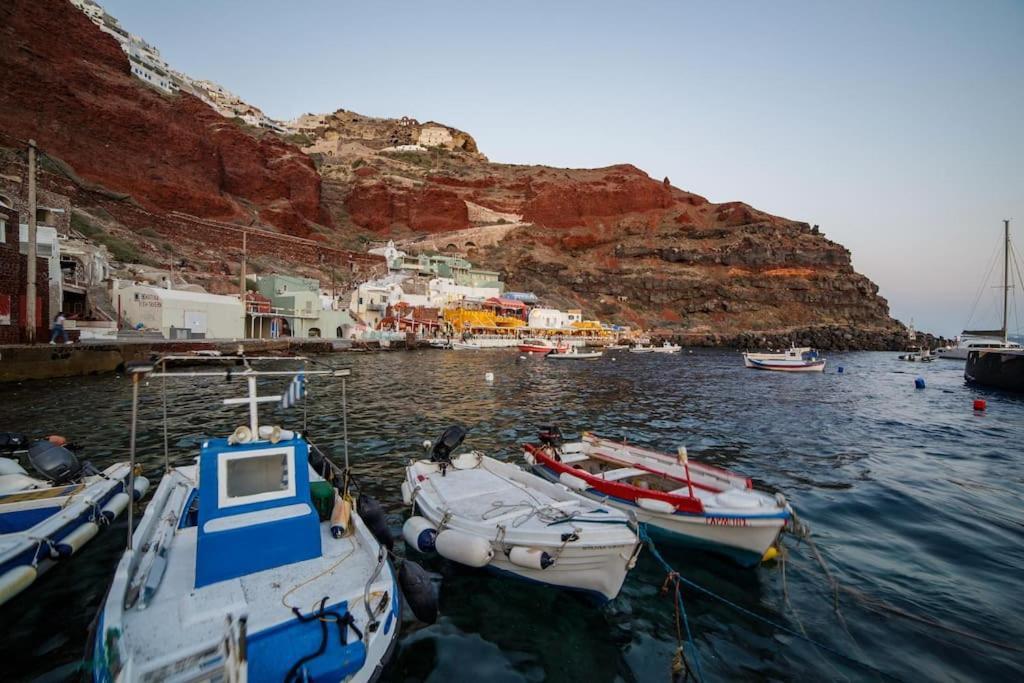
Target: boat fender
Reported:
[(115, 506), (376, 521), (341, 516), (472, 551), (139, 487), (573, 482), (407, 493), (530, 558), (74, 541), (528, 457), (655, 505), (419, 591), (15, 580), (420, 534)]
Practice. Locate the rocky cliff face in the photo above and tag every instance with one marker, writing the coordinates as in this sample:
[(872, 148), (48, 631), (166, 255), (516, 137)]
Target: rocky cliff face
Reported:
[(68, 85), (621, 245)]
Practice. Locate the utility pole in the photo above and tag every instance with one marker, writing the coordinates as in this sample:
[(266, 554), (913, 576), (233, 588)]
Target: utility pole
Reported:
[(30, 285), (241, 279)]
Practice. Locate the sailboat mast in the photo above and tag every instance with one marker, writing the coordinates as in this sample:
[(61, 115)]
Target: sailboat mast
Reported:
[(1006, 274)]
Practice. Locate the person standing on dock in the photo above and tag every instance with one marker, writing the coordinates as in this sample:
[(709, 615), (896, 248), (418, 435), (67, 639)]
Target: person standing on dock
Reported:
[(58, 329)]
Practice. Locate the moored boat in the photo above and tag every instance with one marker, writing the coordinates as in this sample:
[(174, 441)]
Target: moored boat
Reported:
[(698, 504), (45, 520), (666, 347), (574, 353), (997, 369), (539, 345), (251, 565), (482, 512), (795, 359)]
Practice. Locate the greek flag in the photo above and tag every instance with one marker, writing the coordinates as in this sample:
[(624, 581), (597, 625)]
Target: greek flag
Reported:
[(295, 391)]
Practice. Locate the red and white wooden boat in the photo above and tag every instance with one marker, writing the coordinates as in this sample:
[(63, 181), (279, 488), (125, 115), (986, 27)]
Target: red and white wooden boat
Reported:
[(542, 346), (695, 503)]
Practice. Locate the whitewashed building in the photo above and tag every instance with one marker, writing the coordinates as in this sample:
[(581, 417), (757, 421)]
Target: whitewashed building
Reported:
[(179, 314)]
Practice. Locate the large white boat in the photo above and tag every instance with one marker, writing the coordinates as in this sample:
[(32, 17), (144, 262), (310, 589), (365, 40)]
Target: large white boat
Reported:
[(250, 565), (482, 512)]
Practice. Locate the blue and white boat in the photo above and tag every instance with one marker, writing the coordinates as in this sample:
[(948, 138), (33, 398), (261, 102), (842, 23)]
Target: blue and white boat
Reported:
[(46, 519), (795, 359), (250, 565)]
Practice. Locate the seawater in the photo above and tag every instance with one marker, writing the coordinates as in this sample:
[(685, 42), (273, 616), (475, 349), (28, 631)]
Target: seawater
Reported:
[(914, 501)]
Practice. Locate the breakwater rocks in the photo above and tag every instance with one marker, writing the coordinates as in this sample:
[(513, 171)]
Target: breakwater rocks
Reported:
[(825, 338)]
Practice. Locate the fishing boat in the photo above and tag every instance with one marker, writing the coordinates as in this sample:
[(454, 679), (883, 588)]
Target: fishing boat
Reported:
[(46, 519), (616, 347), (465, 346), (481, 512), (666, 347), (691, 502), (253, 563), (538, 345), (795, 359), (641, 348), (918, 356), (573, 353), (440, 343)]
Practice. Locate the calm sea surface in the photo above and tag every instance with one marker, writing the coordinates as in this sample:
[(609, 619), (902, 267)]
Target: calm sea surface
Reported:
[(914, 500)]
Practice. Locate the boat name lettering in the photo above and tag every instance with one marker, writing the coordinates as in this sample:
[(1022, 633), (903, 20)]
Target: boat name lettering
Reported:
[(725, 521)]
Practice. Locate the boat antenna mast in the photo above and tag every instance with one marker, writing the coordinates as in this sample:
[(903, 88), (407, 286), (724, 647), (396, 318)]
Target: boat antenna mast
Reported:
[(1006, 276)]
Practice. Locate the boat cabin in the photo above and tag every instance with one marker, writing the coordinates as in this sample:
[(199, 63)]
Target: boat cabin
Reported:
[(255, 510)]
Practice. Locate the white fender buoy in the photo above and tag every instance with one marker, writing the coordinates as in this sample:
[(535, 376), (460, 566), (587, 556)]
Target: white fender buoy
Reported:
[(655, 505), (420, 534), (573, 482), (472, 551), (489, 377), (74, 541), (528, 457), (341, 515), (115, 506), (13, 581), (407, 493), (140, 487), (530, 558)]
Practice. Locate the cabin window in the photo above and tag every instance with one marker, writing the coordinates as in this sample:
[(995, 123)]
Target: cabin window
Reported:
[(256, 476)]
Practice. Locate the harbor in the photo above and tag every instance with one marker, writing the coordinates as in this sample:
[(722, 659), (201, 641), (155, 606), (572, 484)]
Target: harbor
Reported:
[(898, 486)]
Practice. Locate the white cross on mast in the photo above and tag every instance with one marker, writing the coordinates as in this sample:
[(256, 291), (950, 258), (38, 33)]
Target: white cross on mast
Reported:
[(253, 400)]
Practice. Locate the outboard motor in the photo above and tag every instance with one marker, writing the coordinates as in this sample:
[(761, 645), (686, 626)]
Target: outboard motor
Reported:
[(10, 442), (54, 462), (450, 439)]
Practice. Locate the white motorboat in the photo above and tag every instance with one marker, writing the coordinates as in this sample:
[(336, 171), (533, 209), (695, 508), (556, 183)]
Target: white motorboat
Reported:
[(440, 343), (666, 347), (640, 348), (481, 512), (45, 520), (616, 347), (573, 353), (968, 342), (795, 359), (697, 504), (250, 565), (465, 346), (918, 356)]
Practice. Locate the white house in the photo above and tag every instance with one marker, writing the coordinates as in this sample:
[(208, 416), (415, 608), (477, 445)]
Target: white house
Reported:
[(548, 319), (179, 314), (48, 247)]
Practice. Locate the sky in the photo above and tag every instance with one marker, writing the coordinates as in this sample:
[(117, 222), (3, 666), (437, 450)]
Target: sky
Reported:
[(897, 126)]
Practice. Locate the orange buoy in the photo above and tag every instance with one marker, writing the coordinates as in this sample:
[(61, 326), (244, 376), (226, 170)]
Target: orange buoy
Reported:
[(979, 404)]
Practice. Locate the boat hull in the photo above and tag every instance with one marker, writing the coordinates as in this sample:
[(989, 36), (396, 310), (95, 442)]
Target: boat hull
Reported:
[(996, 369), (784, 366)]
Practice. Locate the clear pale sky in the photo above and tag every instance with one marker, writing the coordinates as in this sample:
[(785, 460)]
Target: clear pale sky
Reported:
[(897, 126)]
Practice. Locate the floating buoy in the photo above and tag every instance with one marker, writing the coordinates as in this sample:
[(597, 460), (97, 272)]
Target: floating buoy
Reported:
[(115, 506), (375, 520), (655, 505), (573, 482), (472, 551), (522, 357), (341, 516), (770, 554), (420, 534), (489, 377), (528, 457), (71, 543), (840, 369), (530, 558), (419, 591), (919, 383), (979, 404)]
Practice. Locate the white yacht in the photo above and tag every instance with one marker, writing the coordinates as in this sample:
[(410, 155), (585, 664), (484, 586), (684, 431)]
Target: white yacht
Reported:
[(973, 341)]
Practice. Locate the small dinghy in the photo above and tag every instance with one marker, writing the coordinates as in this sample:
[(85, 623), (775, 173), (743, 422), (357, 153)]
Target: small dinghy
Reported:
[(573, 353), (44, 521), (699, 504), (251, 565), (482, 512), (795, 359)]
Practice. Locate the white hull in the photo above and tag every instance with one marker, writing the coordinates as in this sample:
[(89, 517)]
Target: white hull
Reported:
[(479, 494)]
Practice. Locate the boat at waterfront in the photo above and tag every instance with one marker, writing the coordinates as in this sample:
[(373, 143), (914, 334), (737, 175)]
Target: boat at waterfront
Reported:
[(540, 345), (999, 369), (46, 519), (918, 356), (481, 512), (795, 359), (694, 503), (666, 347), (251, 564), (573, 353)]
